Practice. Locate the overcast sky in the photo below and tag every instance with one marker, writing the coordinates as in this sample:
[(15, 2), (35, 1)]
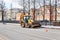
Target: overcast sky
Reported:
[(18, 3), (14, 3)]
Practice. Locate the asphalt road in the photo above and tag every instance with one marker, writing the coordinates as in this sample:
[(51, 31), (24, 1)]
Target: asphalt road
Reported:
[(16, 32)]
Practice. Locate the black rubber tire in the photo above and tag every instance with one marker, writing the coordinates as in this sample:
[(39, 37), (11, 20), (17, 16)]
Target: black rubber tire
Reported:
[(27, 26), (23, 25)]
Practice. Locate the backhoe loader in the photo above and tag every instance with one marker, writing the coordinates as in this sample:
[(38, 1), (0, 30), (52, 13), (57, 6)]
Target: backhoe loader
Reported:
[(28, 22)]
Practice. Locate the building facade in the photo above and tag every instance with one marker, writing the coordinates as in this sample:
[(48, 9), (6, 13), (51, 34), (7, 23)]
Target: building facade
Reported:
[(41, 12)]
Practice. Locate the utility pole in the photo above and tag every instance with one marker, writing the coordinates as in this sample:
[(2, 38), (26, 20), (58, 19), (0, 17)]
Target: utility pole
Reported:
[(55, 10)]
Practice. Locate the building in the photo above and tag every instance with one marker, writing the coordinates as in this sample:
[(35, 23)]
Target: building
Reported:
[(13, 14), (41, 12)]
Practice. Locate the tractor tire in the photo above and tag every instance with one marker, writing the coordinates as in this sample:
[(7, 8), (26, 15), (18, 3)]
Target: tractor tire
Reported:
[(27, 26), (32, 26), (23, 25)]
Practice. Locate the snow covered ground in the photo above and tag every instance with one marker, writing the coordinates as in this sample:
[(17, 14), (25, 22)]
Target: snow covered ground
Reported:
[(49, 26)]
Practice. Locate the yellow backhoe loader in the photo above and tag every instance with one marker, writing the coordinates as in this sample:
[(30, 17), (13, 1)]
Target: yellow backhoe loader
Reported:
[(28, 22)]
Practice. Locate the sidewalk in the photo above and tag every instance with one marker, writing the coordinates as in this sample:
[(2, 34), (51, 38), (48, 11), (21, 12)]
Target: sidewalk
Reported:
[(49, 26)]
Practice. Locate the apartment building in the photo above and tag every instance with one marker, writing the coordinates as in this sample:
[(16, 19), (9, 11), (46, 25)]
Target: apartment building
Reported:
[(41, 12)]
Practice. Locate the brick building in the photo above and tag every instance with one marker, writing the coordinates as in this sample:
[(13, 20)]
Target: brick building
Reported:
[(39, 13)]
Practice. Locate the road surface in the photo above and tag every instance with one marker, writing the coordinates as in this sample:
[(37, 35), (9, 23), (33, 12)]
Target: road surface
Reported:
[(16, 32)]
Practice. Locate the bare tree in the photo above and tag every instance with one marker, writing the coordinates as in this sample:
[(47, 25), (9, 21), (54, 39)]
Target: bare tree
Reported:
[(44, 11), (10, 12), (55, 10), (2, 10)]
